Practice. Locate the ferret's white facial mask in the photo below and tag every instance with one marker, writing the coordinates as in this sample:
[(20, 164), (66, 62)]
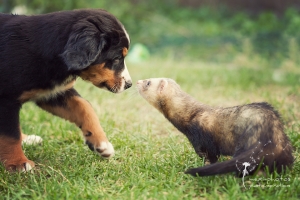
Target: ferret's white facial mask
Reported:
[(151, 88)]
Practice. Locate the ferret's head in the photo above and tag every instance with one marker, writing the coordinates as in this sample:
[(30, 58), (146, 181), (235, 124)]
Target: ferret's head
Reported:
[(158, 91)]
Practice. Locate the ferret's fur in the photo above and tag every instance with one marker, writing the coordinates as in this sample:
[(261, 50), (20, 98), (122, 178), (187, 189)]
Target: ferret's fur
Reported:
[(251, 133)]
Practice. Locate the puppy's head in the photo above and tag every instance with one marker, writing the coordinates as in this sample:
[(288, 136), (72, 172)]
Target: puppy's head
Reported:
[(96, 50)]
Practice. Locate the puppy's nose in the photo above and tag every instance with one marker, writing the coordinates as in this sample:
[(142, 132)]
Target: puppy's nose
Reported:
[(128, 84)]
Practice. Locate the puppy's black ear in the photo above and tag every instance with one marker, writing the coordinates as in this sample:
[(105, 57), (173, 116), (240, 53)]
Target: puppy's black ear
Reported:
[(82, 48)]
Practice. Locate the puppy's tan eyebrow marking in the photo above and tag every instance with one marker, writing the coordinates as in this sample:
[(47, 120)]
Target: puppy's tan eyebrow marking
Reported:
[(125, 51)]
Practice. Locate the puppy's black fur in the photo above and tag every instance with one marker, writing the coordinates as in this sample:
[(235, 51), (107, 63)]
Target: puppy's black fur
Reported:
[(42, 55), (42, 51)]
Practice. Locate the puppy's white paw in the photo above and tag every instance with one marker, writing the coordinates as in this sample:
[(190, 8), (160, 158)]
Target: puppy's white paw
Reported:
[(105, 149), (32, 140), (27, 167)]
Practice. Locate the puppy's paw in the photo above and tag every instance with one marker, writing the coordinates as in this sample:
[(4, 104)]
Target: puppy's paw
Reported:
[(23, 167), (27, 167), (105, 149), (32, 140)]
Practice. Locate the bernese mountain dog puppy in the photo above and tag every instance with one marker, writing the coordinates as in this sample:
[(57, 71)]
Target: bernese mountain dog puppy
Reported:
[(40, 58)]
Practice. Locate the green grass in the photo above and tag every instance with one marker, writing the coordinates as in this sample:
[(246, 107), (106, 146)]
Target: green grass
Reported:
[(151, 155)]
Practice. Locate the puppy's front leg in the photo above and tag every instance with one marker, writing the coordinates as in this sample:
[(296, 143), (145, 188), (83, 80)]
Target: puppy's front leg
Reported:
[(11, 153), (70, 106)]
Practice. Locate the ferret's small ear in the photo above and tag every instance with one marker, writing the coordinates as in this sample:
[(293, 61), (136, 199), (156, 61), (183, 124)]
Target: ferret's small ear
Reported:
[(162, 85)]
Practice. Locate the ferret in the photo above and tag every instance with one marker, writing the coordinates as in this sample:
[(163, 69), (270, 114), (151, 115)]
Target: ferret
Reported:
[(252, 134)]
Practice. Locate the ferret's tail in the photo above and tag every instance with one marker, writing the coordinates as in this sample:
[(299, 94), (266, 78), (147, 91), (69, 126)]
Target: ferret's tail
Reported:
[(249, 160), (222, 167), (214, 169)]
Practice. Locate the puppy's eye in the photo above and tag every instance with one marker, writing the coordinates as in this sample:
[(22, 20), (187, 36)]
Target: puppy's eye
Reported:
[(116, 61), (148, 83)]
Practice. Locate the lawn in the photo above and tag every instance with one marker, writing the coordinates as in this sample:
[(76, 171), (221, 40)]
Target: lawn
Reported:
[(151, 155)]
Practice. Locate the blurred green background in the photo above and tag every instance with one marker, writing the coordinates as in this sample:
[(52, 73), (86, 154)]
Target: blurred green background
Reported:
[(207, 30)]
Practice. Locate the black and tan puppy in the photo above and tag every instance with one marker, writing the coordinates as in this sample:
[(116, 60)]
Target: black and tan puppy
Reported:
[(41, 57), (253, 134)]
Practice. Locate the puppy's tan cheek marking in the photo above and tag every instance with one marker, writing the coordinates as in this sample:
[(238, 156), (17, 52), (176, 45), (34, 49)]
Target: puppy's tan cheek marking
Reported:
[(97, 74), (125, 51), (109, 77), (93, 73)]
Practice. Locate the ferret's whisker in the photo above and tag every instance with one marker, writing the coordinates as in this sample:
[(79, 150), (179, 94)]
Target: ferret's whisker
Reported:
[(132, 93)]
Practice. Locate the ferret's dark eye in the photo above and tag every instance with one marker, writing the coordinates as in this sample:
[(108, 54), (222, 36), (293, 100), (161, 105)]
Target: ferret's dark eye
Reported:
[(148, 83)]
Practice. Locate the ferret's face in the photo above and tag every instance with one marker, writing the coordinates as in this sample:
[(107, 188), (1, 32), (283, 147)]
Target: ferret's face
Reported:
[(151, 88), (155, 89)]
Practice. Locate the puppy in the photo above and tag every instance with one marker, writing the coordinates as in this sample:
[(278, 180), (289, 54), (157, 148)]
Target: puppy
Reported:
[(41, 58)]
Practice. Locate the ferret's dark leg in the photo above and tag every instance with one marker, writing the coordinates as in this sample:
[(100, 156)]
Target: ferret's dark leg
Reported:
[(212, 158), (208, 157), (72, 107)]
